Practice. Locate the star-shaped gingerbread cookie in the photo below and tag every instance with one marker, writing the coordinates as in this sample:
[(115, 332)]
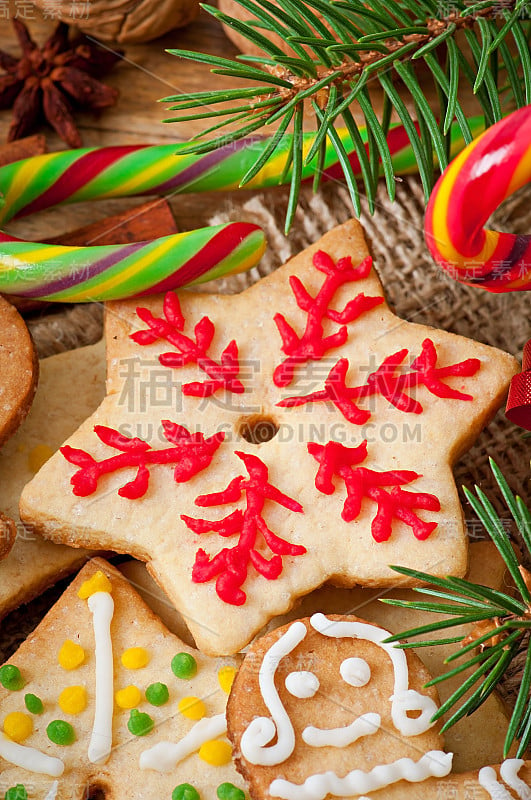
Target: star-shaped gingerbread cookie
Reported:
[(102, 696), (252, 447)]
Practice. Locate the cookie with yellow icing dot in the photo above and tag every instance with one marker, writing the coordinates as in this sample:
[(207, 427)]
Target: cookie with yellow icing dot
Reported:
[(92, 698), (71, 385)]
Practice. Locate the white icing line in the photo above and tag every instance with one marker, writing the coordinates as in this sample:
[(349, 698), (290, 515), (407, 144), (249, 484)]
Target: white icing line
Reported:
[(487, 778), (165, 756), (433, 764), (365, 725), (302, 684), (29, 758), (509, 772), (52, 794), (262, 730), (355, 671), (403, 699), (101, 605)]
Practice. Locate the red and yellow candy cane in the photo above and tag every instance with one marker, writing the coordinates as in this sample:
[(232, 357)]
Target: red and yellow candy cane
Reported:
[(481, 177)]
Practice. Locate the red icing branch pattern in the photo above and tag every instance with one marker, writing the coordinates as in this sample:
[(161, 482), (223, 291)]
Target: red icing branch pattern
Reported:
[(360, 482), (230, 565), (190, 453), (191, 351), (388, 382), (313, 345)]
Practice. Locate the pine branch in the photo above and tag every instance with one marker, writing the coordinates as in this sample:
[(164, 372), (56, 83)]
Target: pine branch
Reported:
[(501, 621), (339, 47)]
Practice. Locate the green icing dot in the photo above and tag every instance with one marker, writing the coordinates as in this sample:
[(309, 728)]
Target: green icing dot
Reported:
[(10, 677), (17, 792), (157, 694), (34, 704), (140, 724), (185, 792), (61, 732), (184, 666), (228, 791)]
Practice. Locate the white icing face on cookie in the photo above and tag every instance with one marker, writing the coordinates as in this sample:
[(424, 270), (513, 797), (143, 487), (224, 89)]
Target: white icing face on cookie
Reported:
[(344, 713)]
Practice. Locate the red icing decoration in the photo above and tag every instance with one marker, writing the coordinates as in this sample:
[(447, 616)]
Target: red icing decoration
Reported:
[(190, 453), (230, 565), (222, 375), (360, 482), (312, 345), (389, 384)]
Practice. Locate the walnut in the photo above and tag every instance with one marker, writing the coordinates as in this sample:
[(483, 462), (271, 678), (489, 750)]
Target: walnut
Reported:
[(126, 21)]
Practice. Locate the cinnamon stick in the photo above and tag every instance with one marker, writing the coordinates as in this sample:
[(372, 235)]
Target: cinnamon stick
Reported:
[(147, 221), (22, 148)]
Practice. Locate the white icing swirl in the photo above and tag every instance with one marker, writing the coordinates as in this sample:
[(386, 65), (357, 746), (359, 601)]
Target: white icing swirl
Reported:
[(355, 671), (509, 772), (362, 726), (488, 780), (435, 764), (165, 756), (302, 684), (263, 730), (101, 605), (403, 698), (29, 758)]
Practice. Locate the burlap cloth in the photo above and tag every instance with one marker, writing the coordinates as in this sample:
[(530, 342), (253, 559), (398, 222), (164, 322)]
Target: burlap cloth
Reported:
[(415, 287)]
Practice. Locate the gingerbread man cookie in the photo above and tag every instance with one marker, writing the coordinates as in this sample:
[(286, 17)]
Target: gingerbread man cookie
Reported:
[(252, 447), (323, 707)]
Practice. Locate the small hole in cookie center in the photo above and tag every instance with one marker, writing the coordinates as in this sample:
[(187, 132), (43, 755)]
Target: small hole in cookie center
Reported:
[(258, 429)]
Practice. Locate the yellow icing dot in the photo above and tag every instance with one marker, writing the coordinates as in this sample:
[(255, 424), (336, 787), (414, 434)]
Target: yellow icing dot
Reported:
[(71, 655), (38, 456), (135, 658), (129, 697), (73, 699), (18, 726), (226, 677), (215, 752), (98, 583), (192, 708)]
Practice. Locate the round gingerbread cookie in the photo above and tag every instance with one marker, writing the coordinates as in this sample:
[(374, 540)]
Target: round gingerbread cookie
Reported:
[(325, 707), (19, 370)]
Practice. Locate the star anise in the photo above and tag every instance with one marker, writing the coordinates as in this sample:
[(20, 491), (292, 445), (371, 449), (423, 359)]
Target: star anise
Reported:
[(47, 81)]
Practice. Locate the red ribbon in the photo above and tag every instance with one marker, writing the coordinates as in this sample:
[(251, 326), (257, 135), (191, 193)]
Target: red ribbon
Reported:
[(518, 408)]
